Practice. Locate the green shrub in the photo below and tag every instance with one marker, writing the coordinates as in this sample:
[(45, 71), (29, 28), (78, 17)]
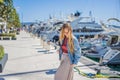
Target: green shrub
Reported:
[(13, 35), (1, 52), (12, 31)]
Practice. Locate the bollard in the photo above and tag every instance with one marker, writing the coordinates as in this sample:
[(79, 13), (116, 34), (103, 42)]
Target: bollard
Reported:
[(100, 64), (101, 60), (40, 40), (46, 47), (98, 71), (55, 45), (43, 43), (49, 46)]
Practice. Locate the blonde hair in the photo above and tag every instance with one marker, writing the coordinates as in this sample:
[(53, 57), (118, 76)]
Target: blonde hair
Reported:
[(70, 36)]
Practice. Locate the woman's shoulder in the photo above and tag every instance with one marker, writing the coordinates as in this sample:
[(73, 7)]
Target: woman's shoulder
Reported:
[(76, 43), (74, 38)]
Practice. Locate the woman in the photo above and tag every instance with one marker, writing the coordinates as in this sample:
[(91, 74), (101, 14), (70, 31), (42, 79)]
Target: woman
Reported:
[(69, 53)]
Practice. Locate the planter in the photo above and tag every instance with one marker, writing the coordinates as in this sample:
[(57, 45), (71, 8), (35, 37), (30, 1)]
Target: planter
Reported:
[(3, 62), (17, 33), (13, 38), (6, 38)]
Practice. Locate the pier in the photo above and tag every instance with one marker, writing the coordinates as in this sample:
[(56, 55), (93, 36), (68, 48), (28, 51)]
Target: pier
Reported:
[(28, 60)]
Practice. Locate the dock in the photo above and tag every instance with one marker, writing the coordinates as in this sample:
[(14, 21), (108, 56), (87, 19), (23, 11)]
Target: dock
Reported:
[(28, 60)]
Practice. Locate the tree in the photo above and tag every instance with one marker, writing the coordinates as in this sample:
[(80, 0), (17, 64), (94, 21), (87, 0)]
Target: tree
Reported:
[(8, 3), (5, 9), (1, 1), (9, 14), (15, 18)]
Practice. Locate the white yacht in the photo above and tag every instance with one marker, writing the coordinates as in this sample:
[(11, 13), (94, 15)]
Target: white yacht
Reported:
[(113, 55), (85, 26), (113, 31)]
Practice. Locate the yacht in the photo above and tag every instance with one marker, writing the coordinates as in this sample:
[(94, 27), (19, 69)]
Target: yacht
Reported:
[(113, 31), (113, 55), (85, 27)]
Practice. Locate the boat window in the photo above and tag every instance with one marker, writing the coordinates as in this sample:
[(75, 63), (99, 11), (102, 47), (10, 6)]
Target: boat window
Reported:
[(114, 39)]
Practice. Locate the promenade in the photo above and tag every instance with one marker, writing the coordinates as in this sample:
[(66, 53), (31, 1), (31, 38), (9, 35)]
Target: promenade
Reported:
[(27, 60)]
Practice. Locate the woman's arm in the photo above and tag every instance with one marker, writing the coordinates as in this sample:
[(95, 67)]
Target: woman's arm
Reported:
[(77, 51)]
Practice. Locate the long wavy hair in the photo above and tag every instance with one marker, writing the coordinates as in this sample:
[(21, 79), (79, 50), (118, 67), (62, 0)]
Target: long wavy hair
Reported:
[(70, 36)]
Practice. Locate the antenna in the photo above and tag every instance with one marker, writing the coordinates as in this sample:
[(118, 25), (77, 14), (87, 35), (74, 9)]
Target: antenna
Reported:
[(90, 14), (119, 7)]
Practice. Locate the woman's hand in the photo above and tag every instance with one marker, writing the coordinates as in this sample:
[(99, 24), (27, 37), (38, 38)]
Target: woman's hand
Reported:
[(73, 65)]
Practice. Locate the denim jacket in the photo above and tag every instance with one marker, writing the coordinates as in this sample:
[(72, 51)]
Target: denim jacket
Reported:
[(74, 57)]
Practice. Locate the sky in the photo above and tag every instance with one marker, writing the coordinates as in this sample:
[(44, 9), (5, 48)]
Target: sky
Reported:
[(39, 10)]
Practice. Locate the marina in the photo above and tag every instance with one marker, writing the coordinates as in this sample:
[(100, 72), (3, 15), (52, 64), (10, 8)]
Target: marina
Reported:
[(31, 40), (26, 62), (28, 59)]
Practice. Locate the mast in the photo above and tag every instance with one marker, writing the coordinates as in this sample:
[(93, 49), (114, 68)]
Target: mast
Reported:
[(91, 16)]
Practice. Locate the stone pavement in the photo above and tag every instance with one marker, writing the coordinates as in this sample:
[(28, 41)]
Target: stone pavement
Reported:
[(27, 60)]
